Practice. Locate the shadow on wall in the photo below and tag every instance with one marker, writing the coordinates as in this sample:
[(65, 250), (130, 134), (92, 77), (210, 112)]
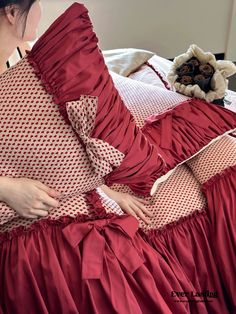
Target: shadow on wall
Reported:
[(232, 82)]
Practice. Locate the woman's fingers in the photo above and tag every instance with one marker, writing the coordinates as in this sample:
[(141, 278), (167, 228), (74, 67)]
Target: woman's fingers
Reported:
[(130, 204), (135, 211), (142, 200), (140, 214), (48, 200), (29, 216), (143, 208), (43, 206), (39, 212), (48, 191)]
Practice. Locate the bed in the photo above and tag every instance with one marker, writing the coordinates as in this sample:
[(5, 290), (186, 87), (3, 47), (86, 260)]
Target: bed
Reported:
[(149, 68), (192, 234), (180, 202)]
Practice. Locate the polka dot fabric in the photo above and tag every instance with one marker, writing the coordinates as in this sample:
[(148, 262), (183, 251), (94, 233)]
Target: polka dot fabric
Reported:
[(38, 144), (216, 158), (71, 206), (177, 197), (82, 115), (50, 151), (144, 100)]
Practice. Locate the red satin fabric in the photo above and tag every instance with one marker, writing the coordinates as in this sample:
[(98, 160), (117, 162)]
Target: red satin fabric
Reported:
[(69, 64), (54, 277), (204, 243), (182, 131), (221, 196), (105, 264), (94, 244)]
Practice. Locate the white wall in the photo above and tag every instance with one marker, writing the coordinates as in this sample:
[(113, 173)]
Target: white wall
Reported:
[(166, 27)]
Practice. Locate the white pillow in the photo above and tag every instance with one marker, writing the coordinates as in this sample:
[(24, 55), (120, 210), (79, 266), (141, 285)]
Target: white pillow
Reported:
[(125, 61)]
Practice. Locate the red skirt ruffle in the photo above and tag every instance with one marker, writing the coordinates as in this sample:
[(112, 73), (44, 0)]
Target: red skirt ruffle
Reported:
[(108, 265), (101, 266), (221, 196), (203, 245)]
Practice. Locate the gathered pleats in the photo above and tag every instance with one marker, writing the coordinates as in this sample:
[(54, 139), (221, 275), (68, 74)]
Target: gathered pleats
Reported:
[(108, 265)]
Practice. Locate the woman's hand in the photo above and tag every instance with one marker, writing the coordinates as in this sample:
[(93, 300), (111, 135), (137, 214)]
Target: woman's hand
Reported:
[(29, 198), (129, 203)]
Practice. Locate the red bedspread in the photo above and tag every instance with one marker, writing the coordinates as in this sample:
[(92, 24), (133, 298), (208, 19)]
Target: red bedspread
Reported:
[(97, 260)]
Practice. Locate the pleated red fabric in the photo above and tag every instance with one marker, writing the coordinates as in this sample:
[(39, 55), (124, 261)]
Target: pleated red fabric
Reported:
[(187, 128), (87, 266), (70, 64), (221, 196), (105, 264), (202, 246)]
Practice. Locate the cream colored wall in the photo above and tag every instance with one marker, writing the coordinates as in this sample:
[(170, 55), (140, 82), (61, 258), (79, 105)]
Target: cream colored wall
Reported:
[(166, 27)]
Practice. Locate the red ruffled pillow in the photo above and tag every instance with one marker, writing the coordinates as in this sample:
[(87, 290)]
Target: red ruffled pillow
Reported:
[(111, 146), (179, 126), (71, 67)]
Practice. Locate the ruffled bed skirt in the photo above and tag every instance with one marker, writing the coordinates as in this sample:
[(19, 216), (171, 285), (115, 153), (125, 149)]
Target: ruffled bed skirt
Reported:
[(105, 264)]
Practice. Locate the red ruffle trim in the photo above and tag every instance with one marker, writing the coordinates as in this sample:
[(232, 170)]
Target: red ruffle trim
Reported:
[(184, 130), (69, 64), (65, 220), (93, 199), (47, 58), (66, 58), (218, 177), (96, 208), (153, 233), (48, 222), (98, 212)]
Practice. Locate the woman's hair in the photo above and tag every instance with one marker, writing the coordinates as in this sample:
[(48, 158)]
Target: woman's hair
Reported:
[(24, 7)]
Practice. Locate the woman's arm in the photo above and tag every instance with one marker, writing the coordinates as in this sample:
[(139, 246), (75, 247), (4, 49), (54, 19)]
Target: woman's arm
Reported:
[(129, 203)]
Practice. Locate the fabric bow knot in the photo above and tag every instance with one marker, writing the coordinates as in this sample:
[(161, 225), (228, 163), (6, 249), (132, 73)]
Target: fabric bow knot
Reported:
[(184, 112), (117, 233), (82, 115)]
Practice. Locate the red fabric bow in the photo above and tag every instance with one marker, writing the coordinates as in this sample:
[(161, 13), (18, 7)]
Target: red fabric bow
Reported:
[(116, 232), (182, 113)]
